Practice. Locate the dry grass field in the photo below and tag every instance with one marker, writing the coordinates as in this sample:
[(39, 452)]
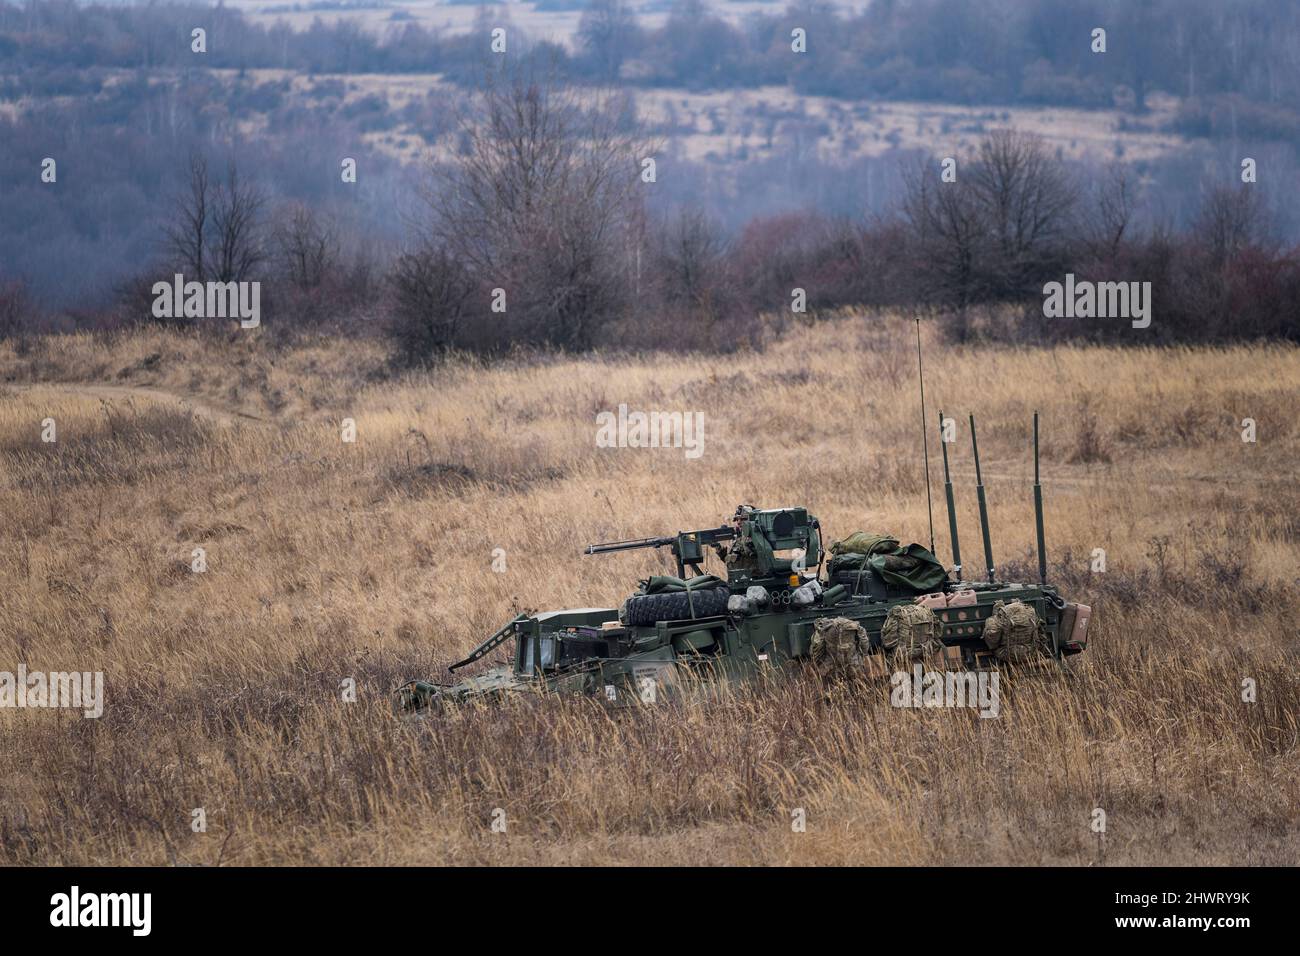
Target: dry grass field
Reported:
[(372, 560), (731, 128)]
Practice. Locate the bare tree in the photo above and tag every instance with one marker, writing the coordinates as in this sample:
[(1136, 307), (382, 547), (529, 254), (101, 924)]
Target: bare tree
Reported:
[(690, 258), (215, 232), (187, 233), (608, 34), (999, 227), (1025, 200), (543, 201), (1109, 223), (306, 246), (698, 298), (15, 308), (950, 236), (432, 299), (1231, 220), (237, 248)]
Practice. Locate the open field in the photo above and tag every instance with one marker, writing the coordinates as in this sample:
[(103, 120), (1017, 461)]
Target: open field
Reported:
[(728, 128), (372, 560)]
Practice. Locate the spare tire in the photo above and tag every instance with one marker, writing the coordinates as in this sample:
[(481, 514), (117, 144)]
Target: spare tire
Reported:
[(641, 609)]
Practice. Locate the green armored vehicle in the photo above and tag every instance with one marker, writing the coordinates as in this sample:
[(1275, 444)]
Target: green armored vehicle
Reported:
[(785, 600)]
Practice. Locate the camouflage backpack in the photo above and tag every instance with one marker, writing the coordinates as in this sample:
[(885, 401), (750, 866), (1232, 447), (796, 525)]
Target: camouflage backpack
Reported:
[(836, 641), (911, 631), (1013, 632)]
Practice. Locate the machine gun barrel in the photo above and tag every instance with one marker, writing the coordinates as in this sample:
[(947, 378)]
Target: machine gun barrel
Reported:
[(687, 546), (607, 546)]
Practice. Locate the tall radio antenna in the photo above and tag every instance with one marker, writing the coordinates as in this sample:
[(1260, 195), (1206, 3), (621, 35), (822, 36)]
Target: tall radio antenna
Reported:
[(925, 441), (952, 511), (984, 506), (1038, 511)]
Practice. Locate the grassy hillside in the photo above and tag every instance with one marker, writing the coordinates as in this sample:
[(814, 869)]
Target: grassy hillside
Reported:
[(372, 560)]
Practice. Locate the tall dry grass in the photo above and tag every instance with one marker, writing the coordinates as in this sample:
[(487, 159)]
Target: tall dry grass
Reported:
[(373, 561)]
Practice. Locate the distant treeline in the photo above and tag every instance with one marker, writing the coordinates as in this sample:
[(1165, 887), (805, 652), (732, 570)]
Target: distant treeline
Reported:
[(718, 275), (1233, 61), (538, 234)]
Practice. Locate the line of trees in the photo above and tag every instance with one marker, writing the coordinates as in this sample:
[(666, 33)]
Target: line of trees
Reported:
[(121, 139), (222, 226), (1233, 62), (537, 234), (545, 206)]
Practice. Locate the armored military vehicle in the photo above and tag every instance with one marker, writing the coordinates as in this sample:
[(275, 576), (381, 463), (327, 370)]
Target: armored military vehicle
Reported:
[(786, 600)]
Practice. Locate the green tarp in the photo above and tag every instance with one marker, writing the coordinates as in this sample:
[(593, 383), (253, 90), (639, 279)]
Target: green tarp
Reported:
[(910, 567)]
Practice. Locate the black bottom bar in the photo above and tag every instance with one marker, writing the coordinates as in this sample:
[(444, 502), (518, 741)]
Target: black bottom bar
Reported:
[(438, 908)]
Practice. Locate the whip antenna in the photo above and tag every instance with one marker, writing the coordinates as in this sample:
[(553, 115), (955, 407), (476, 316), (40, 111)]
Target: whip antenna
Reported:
[(1038, 511), (984, 507), (925, 442), (952, 511)]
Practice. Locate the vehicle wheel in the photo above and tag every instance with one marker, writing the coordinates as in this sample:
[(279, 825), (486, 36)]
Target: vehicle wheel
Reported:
[(644, 609)]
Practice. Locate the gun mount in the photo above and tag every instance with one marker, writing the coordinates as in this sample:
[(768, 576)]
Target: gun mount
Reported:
[(687, 546), (759, 538)]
